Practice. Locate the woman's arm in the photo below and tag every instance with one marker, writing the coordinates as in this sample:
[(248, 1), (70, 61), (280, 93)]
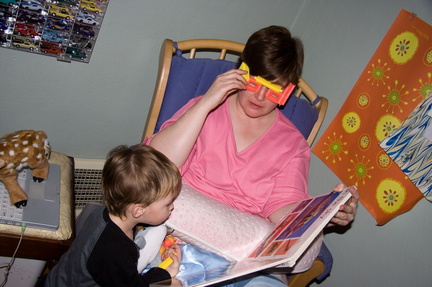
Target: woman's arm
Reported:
[(281, 212), (177, 140)]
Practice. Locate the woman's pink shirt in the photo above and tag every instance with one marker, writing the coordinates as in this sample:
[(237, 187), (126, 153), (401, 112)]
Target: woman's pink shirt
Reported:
[(269, 174)]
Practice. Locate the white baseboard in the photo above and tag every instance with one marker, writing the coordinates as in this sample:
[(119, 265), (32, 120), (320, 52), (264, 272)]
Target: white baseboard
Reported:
[(89, 163)]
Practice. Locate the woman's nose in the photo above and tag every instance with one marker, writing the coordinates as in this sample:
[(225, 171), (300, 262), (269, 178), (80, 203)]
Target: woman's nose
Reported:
[(260, 94)]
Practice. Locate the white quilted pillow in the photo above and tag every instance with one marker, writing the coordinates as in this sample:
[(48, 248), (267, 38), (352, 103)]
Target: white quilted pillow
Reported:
[(202, 221)]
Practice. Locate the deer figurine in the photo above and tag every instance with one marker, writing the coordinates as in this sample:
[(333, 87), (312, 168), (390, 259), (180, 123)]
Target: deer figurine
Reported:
[(19, 150)]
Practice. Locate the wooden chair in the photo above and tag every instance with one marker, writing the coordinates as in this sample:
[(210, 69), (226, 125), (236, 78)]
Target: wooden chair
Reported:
[(216, 53), (222, 48)]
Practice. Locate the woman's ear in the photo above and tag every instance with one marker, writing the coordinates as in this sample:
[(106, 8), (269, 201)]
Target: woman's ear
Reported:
[(137, 210)]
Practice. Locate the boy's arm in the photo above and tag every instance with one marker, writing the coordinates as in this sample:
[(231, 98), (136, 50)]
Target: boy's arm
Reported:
[(155, 274)]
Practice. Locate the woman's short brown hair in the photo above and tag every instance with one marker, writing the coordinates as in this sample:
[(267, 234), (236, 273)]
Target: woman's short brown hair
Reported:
[(137, 174), (275, 55)]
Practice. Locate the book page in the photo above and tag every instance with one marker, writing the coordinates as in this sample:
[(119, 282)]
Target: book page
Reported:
[(293, 226)]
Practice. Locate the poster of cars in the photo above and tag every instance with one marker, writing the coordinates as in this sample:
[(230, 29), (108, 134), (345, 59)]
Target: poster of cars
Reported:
[(65, 29)]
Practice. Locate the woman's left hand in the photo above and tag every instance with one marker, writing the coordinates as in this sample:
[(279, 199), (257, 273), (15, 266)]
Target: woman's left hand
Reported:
[(347, 212)]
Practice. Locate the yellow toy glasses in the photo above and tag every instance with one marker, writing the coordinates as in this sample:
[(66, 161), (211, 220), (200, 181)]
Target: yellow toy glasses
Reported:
[(275, 92)]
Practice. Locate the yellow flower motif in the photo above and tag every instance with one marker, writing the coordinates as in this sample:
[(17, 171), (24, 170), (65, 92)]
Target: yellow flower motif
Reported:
[(364, 142), (378, 73), (335, 148), (363, 101), (394, 98), (383, 160), (425, 87), (403, 47), (427, 60), (351, 122), (361, 170), (390, 195), (385, 125)]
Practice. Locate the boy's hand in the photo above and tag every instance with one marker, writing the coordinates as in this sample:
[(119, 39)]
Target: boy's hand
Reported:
[(175, 253)]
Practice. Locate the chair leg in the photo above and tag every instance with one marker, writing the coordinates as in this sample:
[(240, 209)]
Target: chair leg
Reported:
[(304, 279)]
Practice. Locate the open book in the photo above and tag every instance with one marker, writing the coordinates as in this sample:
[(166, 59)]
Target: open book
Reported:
[(281, 245)]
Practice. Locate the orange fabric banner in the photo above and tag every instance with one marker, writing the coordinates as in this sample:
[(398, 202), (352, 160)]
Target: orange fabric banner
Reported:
[(396, 79)]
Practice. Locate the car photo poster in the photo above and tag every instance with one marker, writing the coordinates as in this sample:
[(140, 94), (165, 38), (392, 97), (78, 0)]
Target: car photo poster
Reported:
[(395, 80), (64, 29)]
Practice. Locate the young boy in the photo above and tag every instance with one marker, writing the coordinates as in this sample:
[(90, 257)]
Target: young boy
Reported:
[(139, 186)]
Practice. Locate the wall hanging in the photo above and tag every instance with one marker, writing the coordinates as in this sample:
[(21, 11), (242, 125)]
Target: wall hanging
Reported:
[(65, 29), (396, 79)]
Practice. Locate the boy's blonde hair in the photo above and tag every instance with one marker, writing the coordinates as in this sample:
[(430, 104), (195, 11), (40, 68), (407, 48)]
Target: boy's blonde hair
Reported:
[(137, 174)]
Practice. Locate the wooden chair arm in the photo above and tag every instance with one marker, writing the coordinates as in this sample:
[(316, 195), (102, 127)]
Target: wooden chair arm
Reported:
[(304, 279)]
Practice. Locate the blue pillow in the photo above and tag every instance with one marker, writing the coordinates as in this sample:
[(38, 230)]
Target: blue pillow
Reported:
[(301, 112), (188, 79)]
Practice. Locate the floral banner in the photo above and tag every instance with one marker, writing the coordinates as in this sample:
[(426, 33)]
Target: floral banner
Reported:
[(396, 79)]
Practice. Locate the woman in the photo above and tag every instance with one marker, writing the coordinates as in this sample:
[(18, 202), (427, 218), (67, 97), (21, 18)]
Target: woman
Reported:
[(235, 146)]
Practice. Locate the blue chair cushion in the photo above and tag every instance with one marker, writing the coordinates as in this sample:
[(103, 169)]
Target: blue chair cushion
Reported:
[(302, 113), (190, 78), (326, 256)]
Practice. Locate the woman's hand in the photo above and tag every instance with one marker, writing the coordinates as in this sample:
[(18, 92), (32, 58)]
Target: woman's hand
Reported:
[(177, 140), (224, 85), (175, 253), (347, 212)]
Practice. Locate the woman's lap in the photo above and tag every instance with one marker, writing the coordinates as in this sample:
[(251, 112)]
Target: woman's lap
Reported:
[(254, 280)]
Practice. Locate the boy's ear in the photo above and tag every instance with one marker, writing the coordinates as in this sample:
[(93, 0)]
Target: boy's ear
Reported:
[(137, 210)]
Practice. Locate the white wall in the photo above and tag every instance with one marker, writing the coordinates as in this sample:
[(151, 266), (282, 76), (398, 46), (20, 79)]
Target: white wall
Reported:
[(87, 109)]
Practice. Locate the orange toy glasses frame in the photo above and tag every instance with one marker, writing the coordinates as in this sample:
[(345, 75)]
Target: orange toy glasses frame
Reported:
[(275, 92)]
